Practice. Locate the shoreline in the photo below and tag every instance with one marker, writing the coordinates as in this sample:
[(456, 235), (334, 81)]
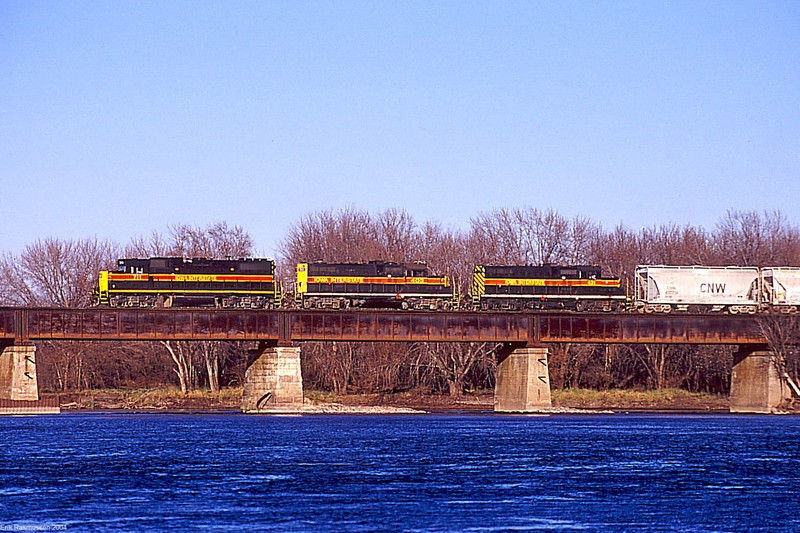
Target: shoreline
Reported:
[(334, 409), (148, 401)]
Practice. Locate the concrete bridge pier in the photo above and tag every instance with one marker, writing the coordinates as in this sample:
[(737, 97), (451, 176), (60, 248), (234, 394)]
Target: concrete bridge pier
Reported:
[(273, 383), (523, 380), (18, 372), (756, 385)]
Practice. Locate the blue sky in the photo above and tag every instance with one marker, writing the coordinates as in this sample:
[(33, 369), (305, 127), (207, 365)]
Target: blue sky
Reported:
[(118, 118)]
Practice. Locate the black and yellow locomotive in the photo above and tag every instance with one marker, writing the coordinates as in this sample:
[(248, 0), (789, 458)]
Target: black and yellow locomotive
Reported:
[(514, 288), (179, 282), (373, 284), (251, 284)]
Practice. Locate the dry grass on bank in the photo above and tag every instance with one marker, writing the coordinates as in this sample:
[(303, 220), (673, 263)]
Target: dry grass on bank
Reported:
[(230, 399), (152, 399), (414, 399), (662, 400)]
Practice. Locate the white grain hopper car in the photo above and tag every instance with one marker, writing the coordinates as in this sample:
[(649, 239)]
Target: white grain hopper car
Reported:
[(661, 289), (781, 288)]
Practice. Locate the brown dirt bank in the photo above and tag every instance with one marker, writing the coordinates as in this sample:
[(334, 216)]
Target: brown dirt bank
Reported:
[(228, 400)]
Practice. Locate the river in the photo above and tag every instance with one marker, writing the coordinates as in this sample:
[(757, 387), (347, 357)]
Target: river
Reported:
[(436, 472)]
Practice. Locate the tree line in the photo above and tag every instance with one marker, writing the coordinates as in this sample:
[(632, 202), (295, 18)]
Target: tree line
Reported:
[(53, 272)]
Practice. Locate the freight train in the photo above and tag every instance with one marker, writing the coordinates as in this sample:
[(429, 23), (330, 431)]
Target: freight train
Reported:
[(251, 283)]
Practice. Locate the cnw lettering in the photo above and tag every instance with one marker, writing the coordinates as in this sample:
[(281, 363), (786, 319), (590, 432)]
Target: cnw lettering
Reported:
[(713, 288)]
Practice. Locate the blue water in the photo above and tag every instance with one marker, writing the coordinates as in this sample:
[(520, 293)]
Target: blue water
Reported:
[(401, 473)]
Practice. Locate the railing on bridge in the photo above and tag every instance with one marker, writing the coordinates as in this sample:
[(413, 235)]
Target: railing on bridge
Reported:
[(285, 326)]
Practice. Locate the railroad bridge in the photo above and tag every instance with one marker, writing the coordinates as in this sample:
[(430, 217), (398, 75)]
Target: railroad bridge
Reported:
[(273, 381)]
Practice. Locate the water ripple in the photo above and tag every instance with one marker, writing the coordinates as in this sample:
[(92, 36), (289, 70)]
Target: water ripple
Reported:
[(427, 474)]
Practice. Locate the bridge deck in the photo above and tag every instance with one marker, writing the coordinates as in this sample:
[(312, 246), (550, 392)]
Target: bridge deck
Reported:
[(397, 326)]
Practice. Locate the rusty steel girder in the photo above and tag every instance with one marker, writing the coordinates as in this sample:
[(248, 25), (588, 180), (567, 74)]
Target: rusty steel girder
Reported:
[(8, 329), (649, 329), (285, 326)]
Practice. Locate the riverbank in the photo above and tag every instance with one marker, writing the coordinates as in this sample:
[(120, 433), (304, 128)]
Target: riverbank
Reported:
[(228, 399)]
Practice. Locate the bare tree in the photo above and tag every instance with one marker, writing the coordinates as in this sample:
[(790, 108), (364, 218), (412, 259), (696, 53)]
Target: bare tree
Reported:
[(569, 362), (447, 252), (345, 236), (330, 365), (215, 241), (783, 336), (583, 232), (618, 252), (749, 238), (182, 355), (545, 235), (666, 365), (62, 273), (397, 236), (455, 360), (155, 245), (495, 239), (674, 245), (53, 272), (531, 236)]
